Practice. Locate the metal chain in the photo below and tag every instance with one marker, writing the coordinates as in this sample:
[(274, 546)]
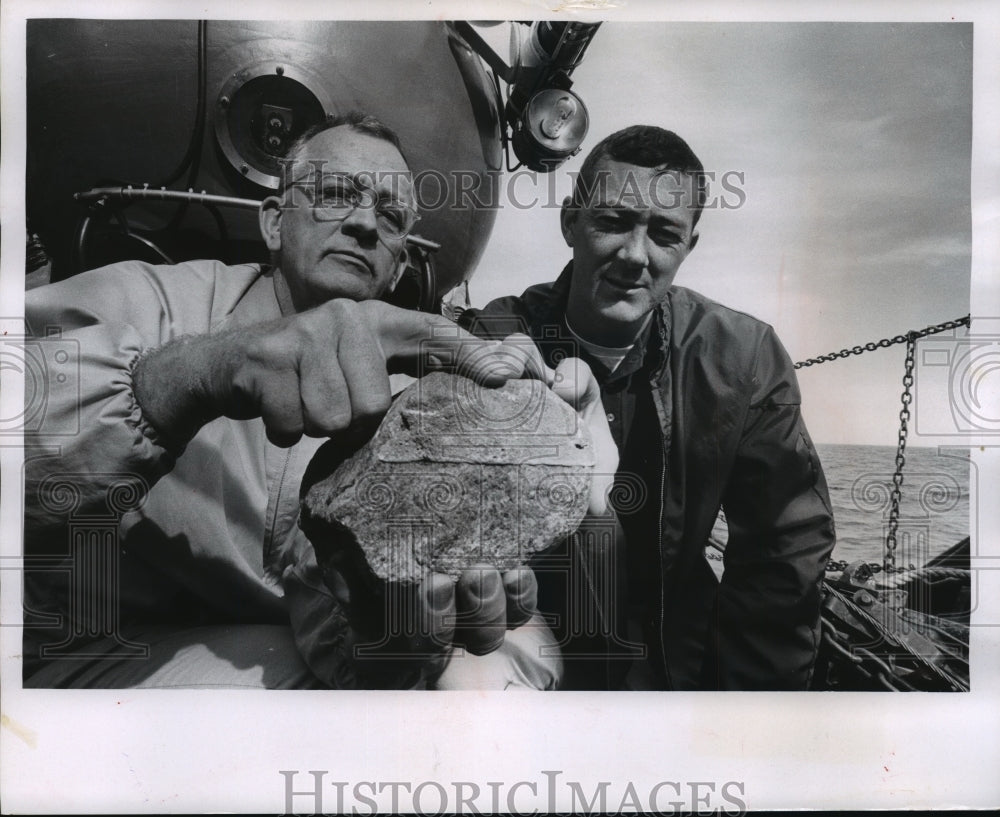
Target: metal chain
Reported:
[(889, 557), (840, 565), (885, 342), (888, 638), (910, 338)]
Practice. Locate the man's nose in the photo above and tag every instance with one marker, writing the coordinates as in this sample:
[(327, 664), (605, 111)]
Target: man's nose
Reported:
[(633, 249), (361, 222)]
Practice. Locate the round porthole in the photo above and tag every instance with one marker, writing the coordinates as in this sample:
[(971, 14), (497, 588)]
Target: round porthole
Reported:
[(260, 111)]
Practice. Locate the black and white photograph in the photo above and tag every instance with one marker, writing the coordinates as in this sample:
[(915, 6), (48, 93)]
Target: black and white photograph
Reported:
[(499, 409)]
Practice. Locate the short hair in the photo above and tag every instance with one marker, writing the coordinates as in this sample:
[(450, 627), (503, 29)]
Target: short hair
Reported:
[(357, 121), (644, 146)]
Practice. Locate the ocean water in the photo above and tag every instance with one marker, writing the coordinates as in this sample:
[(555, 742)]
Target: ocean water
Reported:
[(934, 505), (934, 508)]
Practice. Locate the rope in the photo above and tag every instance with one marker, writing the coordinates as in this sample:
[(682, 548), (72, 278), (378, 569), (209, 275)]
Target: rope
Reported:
[(934, 574)]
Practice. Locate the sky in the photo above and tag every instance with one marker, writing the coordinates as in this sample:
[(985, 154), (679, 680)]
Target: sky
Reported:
[(854, 143)]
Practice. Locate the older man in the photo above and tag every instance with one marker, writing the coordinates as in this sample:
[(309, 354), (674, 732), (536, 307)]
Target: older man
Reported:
[(204, 392), (703, 404)]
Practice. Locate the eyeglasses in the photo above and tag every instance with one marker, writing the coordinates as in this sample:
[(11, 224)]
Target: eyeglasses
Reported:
[(338, 195)]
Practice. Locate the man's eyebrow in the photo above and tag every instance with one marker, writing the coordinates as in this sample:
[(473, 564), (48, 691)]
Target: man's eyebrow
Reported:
[(655, 215), (365, 177), (618, 204), (666, 218), (387, 186)]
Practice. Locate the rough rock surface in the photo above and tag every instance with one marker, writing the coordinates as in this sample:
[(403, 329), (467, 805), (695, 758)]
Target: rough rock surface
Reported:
[(457, 474)]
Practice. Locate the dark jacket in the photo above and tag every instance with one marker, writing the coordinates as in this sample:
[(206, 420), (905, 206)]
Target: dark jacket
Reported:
[(732, 435)]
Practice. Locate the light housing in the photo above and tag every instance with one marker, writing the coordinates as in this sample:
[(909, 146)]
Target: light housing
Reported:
[(551, 128)]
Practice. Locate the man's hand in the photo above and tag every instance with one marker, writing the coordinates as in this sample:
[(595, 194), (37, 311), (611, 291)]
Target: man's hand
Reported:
[(318, 373), (574, 382), (354, 634), (391, 634), (324, 372)]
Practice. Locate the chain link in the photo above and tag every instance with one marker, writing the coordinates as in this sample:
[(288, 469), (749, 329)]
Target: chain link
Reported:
[(840, 565), (885, 342), (910, 339), (890, 639), (889, 557)]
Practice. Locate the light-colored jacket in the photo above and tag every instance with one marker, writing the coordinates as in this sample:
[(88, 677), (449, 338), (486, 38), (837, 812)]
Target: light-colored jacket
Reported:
[(204, 533)]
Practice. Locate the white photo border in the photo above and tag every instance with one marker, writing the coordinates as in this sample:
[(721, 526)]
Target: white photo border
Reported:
[(157, 751)]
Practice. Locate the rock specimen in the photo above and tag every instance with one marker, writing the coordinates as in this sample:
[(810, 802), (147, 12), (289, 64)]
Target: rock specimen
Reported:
[(456, 475)]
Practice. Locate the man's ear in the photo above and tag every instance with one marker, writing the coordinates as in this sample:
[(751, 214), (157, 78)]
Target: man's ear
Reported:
[(270, 222), (567, 219), (693, 241)]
